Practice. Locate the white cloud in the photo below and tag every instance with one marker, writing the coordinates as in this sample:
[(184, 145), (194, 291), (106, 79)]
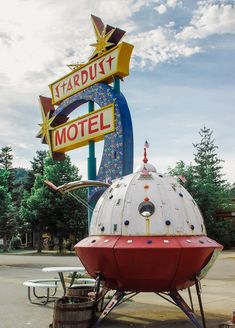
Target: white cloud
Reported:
[(158, 46), (173, 3), (35, 38), (164, 5), (161, 9), (210, 19)]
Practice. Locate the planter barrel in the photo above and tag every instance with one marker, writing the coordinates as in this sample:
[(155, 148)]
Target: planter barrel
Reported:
[(76, 315), (79, 291)]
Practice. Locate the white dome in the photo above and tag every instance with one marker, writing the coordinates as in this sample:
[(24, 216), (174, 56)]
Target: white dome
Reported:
[(166, 206)]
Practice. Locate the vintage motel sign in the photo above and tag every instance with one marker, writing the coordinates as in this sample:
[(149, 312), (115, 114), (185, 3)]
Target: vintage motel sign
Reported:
[(78, 132), (102, 69), (109, 61)]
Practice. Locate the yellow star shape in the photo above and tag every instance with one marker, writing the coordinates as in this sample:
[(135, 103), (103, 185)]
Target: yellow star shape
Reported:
[(46, 128), (102, 40)]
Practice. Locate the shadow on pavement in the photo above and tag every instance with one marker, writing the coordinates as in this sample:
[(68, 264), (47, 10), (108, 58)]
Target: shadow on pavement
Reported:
[(139, 315)]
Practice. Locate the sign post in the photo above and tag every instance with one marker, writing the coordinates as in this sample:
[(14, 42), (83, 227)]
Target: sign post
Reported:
[(91, 161), (89, 82)]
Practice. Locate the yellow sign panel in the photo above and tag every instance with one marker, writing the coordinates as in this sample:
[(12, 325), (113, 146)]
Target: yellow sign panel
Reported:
[(78, 132), (114, 62)]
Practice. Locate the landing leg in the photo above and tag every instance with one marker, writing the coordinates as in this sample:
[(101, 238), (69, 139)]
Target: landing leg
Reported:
[(198, 289), (115, 300), (179, 301), (191, 299)]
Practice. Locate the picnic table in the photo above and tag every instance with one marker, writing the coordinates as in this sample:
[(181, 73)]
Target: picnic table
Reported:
[(62, 270)]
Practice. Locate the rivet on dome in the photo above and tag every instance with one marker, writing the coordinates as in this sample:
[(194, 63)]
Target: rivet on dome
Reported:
[(146, 199), (146, 187), (126, 222), (118, 201), (168, 222)]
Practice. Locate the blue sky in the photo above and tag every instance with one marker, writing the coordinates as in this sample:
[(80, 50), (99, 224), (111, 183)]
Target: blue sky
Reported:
[(182, 71)]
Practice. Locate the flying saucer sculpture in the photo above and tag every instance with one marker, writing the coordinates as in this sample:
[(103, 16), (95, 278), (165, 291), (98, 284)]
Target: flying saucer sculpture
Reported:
[(147, 234)]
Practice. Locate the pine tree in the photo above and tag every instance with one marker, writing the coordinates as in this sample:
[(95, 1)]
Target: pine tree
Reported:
[(208, 187), (211, 190), (7, 221), (37, 168), (186, 171), (208, 165), (37, 163), (6, 158)]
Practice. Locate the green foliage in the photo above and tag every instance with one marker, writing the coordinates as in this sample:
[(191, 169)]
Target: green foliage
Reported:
[(7, 219), (37, 168), (186, 171), (205, 182), (45, 209), (232, 191), (19, 184), (6, 158)]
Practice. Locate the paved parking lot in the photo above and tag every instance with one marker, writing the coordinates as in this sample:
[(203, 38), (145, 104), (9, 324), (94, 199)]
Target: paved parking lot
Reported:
[(147, 310)]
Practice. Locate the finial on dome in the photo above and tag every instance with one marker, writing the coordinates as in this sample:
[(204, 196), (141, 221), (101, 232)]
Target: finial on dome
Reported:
[(146, 145)]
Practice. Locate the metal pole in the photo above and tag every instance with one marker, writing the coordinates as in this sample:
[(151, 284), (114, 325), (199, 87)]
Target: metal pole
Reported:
[(197, 284), (91, 162), (116, 84), (191, 299)]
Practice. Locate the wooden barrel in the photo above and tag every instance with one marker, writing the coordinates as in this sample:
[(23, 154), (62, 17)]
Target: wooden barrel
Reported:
[(79, 291), (73, 312)]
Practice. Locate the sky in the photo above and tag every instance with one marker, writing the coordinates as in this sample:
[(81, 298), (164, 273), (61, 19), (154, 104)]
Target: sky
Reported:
[(182, 72)]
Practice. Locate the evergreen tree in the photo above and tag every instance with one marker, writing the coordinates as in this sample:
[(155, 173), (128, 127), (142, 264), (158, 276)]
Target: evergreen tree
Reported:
[(47, 210), (185, 171), (205, 182), (211, 190), (19, 184), (37, 163), (6, 158), (37, 168), (7, 220)]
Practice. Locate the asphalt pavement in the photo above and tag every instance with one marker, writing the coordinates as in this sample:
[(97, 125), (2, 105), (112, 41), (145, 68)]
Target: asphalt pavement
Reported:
[(146, 309)]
